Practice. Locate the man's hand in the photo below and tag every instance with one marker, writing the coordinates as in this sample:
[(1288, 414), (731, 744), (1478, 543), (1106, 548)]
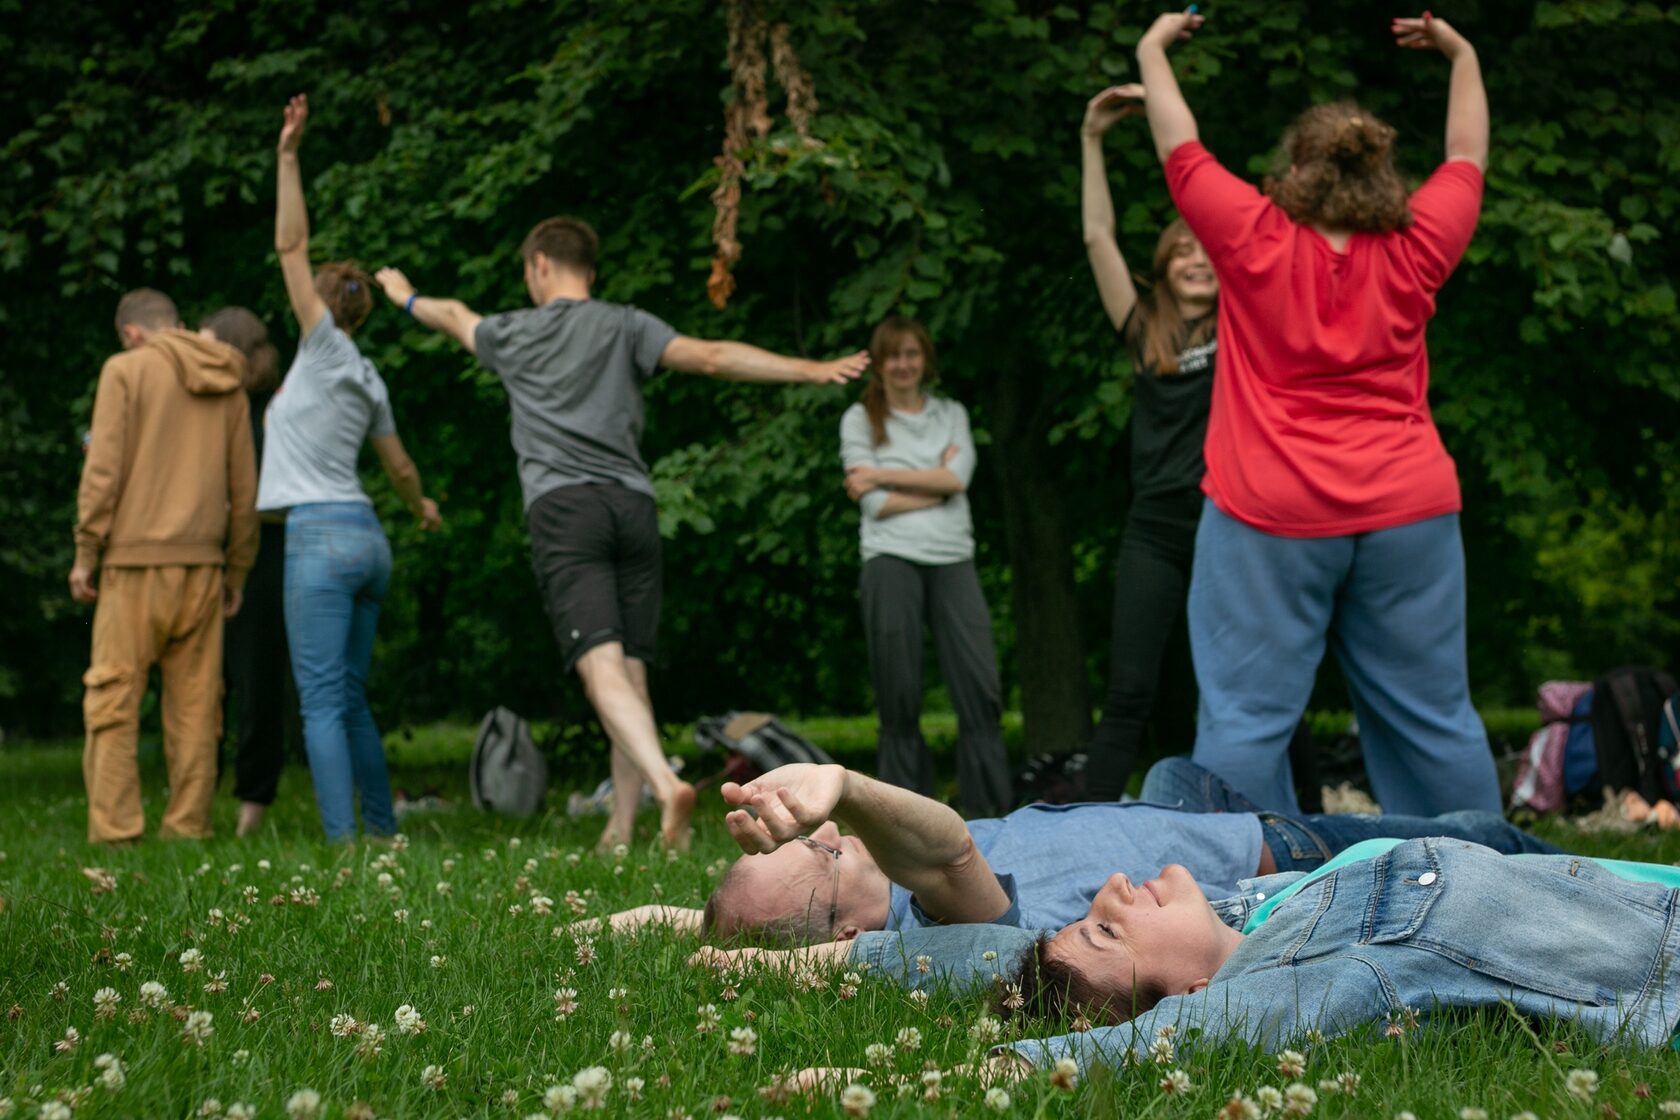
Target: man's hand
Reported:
[(840, 370), (396, 285), (860, 481), (1429, 33), (291, 130), (430, 519), (82, 588), (1170, 28), (817, 1079), (790, 800), (232, 599), (1111, 105)]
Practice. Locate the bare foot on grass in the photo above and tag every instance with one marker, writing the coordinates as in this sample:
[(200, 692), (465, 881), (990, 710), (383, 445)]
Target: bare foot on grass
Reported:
[(251, 815), (674, 816), (614, 835)]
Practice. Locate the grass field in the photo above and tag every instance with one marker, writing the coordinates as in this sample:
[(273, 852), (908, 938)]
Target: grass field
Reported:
[(289, 969)]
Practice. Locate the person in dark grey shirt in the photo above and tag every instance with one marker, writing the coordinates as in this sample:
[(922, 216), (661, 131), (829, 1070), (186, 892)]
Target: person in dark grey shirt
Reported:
[(573, 368)]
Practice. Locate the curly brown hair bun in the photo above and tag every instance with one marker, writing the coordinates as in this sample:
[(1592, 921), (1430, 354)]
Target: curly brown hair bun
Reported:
[(347, 291), (1337, 170)]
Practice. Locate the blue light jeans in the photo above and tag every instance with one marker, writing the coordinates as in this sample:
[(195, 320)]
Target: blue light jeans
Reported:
[(338, 567), (1303, 843)]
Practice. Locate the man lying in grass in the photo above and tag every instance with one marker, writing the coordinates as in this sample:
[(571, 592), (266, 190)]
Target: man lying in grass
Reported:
[(912, 864), (1387, 932)]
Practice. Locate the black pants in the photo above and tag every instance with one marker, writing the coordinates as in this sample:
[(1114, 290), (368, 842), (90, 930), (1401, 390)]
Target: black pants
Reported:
[(899, 598), (1151, 681), (255, 665)]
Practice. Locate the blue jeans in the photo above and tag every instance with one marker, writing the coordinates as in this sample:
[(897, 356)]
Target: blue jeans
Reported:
[(338, 566), (1303, 843), (1390, 605)]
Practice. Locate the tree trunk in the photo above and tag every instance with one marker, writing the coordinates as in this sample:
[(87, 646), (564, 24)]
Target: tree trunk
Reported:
[(1049, 655)]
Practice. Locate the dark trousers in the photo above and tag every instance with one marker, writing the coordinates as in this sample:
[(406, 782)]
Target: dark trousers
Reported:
[(255, 664), (899, 598), (1151, 681)]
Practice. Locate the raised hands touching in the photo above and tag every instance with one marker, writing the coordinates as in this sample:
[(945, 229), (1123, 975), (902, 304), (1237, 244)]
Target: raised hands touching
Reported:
[(790, 801), (1111, 105), (1170, 28), (291, 130), (1429, 33)]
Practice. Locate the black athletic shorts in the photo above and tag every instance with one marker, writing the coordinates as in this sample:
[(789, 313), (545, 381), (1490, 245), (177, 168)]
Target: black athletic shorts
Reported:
[(595, 550)]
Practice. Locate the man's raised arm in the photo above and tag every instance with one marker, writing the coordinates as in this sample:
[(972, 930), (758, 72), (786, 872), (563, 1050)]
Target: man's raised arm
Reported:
[(740, 361), (450, 316), (917, 842)]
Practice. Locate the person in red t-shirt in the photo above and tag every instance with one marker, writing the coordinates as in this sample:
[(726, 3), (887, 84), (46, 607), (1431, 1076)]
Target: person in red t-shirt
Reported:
[(1333, 506)]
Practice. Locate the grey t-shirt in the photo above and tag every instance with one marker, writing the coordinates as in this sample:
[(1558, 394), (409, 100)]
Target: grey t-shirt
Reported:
[(331, 402), (941, 534), (573, 370)]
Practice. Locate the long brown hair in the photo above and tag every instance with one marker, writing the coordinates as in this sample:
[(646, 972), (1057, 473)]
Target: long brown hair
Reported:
[(1051, 990), (1336, 168), (1158, 327), (888, 336), (240, 328)]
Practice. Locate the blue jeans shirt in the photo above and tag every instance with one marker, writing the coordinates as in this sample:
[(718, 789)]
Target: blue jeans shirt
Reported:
[(1432, 925)]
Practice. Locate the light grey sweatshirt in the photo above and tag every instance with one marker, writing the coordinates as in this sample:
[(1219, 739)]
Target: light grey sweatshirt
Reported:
[(941, 534)]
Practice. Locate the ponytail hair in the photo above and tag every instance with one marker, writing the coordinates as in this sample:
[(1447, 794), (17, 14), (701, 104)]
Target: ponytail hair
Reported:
[(1158, 329), (888, 336), (1336, 169)]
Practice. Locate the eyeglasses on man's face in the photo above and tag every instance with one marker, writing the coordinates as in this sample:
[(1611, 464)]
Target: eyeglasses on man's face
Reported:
[(834, 899)]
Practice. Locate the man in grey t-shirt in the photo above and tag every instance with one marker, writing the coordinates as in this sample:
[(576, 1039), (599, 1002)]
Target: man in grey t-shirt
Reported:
[(573, 368)]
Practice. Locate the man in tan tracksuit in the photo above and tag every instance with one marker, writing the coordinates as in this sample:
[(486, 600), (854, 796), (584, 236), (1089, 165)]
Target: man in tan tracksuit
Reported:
[(167, 509)]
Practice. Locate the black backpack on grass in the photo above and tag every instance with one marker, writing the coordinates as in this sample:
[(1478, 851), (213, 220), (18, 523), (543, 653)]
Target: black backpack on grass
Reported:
[(1627, 716), (754, 743)]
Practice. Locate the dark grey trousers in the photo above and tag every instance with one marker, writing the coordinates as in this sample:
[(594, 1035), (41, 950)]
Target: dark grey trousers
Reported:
[(900, 597)]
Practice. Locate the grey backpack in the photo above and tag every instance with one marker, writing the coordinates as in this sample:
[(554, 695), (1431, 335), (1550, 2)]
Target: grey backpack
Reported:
[(507, 773)]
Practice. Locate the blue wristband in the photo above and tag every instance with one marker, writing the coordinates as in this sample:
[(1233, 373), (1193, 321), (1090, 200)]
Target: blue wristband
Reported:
[(409, 306)]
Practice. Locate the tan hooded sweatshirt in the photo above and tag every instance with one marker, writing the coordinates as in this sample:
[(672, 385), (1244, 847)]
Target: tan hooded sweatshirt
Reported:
[(170, 477)]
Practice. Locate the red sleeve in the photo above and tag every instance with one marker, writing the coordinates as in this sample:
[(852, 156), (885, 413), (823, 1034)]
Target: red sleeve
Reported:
[(1222, 210), (1444, 213)]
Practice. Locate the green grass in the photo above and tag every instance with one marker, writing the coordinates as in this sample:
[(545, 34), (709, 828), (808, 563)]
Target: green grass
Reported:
[(307, 912)]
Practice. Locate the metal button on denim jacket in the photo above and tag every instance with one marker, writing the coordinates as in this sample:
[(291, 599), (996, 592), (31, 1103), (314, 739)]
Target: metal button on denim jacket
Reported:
[(1434, 924)]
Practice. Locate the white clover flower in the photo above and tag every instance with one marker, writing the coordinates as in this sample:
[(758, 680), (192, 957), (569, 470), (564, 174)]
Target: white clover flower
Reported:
[(1524, 1115), (1299, 1099), (857, 1099), (344, 1026), (997, 1099), (1349, 1082), (592, 1085), (620, 1042), (516, 910), (240, 1057), (488, 854), (1669, 1108), (72, 1038), (1239, 1107), (191, 960), (197, 1029), (565, 1002), (743, 1042), (919, 997), (542, 904), (1162, 1051), (708, 1019), (305, 1104), (123, 961), (560, 1098), (6, 1105), (372, 1042), (617, 993), (908, 1038), (1470, 1112), (408, 1020), (986, 1029), (443, 887), (211, 1109), (1329, 1086), (877, 1053), (400, 916), (1065, 1075), (55, 1110), (1175, 1083), (1269, 1098), (1291, 1063), (58, 991), (153, 994), (585, 951), (112, 1076), (433, 1077), (439, 961), (239, 1110), (1582, 1084), (633, 1088), (105, 1002)]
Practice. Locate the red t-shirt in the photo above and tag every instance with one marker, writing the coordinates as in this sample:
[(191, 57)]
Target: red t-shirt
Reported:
[(1321, 423)]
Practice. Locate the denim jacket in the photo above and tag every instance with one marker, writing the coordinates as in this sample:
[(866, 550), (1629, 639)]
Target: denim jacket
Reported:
[(1434, 924)]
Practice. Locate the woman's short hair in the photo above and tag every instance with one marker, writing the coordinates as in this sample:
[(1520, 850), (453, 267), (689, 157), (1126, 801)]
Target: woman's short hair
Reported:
[(347, 291), (240, 328), (1336, 168), (1048, 989)]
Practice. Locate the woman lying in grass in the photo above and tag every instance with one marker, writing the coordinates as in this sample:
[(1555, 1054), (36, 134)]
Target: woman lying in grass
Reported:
[(1389, 932)]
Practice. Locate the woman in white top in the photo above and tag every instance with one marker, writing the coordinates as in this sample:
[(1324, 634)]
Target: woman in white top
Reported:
[(338, 562), (909, 457)]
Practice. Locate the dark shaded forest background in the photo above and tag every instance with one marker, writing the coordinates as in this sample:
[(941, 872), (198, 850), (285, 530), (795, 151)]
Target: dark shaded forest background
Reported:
[(941, 179)]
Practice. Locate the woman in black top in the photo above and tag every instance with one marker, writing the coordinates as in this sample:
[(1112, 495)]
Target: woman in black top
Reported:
[(1170, 331)]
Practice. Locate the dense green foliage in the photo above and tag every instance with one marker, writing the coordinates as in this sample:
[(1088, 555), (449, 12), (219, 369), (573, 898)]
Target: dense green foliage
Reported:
[(140, 152)]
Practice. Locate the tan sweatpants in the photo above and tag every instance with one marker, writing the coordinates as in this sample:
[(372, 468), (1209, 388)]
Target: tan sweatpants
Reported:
[(171, 617)]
